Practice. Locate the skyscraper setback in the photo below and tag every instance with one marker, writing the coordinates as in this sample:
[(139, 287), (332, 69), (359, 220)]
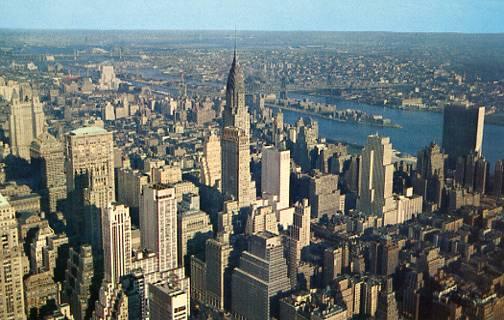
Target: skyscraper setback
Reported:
[(90, 178), (26, 123)]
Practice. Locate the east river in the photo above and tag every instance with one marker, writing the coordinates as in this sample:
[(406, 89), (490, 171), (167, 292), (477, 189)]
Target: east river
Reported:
[(419, 128)]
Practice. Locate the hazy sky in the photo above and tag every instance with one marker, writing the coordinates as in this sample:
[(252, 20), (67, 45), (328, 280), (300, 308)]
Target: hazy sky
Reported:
[(336, 15)]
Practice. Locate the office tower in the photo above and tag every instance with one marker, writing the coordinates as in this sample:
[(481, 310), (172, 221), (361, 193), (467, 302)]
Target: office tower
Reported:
[(498, 184), (428, 180), (158, 224), (194, 228), (260, 279), (212, 279), (48, 159), (90, 179), (278, 135), (306, 139), (333, 264), (78, 281), (299, 238), (471, 173), (211, 164), (411, 295), (387, 304), (133, 285), (235, 112), (112, 303), (377, 172), (167, 303), (275, 175), (12, 303), (462, 131), (108, 80), (26, 123), (129, 187), (236, 177), (325, 196), (369, 298), (116, 228)]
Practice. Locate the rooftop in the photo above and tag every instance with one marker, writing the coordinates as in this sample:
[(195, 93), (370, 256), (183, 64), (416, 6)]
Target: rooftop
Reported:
[(88, 131)]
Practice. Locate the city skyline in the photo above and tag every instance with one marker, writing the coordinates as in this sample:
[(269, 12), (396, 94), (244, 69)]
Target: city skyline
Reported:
[(300, 15)]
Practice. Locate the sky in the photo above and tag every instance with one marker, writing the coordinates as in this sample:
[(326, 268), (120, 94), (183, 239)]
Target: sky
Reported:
[(469, 16)]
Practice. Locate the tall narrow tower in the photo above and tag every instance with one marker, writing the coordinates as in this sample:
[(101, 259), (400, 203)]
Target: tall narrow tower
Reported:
[(116, 242), (11, 271), (235, 112), (236, 178), (377, 173), (158, 224)]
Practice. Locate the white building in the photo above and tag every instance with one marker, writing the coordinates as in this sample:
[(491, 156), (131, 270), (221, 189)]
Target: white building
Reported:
[(158, 224), (116, 227), (275, 175)]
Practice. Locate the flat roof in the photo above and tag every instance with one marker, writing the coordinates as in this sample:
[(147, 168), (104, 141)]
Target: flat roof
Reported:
[(88, 131)]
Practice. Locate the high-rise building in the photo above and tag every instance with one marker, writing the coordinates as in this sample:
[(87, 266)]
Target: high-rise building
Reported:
[(112, 303), (471, 172), (428, 180), (261, 278), (12, 303), (116, 229), (325, 196), (211, 164), (48, 160), (236, 177), (78, 280), (462, 131), (305, 141), (194, 228), (90, 178), (26, 123), (235, 112), (377, 173), (498, 184), (108, 80), (275, 175), (158, 224), (168, 303)]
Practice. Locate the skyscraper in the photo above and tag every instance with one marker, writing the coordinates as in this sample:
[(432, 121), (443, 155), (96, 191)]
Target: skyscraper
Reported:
[(235, 112), (78, 279), (462, 131), (12, 304), (116, 228), (26, 123), (236, 178), (377, 171), (90, 178), (48, 159), (498, 185), (260, 279), (158, 224), (275, 175), (428, 180)]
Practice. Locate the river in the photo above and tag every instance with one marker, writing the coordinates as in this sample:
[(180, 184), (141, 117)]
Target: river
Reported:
[(419, 128)]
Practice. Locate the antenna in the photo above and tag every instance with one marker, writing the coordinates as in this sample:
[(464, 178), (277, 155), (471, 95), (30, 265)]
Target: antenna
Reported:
[(235, 41)]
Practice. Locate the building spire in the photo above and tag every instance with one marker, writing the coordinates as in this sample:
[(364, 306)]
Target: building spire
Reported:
[(234, 54)]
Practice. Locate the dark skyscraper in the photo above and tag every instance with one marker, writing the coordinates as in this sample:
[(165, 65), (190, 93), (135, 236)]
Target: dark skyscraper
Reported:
[(462, 131)]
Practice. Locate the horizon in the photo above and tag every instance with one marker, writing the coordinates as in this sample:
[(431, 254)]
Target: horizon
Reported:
[(407, 16)]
